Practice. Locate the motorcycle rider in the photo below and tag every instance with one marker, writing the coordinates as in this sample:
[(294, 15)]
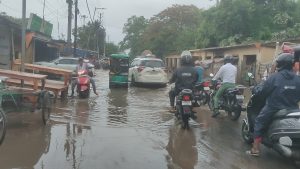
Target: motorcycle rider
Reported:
[(227, 73), (83, 66), (200, 70), (281, 91), (184, 77)]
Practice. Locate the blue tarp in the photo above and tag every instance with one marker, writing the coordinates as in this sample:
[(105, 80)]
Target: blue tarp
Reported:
[(79, 52)]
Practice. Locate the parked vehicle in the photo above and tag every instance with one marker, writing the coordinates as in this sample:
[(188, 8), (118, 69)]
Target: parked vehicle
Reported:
[(83, 85), (147, 71), (118, 70), (201, 93), (68, 63), (231, 100), (184, 107), (283, 134)]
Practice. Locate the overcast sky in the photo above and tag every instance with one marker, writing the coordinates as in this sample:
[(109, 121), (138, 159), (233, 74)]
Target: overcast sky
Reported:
[(115, 15)]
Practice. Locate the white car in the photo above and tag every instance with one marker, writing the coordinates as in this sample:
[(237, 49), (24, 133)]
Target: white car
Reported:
[(68, 63), (147, 71)]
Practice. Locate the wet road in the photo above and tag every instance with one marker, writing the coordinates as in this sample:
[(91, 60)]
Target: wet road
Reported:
[(127, 129)]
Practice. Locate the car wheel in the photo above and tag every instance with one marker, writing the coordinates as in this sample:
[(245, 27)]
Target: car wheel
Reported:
[(133, 83)]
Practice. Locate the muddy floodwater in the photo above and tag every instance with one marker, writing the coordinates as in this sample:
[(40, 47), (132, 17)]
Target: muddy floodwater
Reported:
[(127, 129)]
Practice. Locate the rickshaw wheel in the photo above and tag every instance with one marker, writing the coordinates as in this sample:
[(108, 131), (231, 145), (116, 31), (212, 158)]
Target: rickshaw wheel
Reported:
[(2, 126), (46, 103)]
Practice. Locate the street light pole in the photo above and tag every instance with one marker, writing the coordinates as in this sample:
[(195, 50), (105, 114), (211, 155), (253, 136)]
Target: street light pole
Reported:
[(75, 29), (23, 34)]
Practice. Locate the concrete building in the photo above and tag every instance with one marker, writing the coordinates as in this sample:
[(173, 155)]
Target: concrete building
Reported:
[(255, 58), (10, 42)]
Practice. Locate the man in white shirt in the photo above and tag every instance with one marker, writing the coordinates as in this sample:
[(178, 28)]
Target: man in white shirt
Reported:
[(227, 73)]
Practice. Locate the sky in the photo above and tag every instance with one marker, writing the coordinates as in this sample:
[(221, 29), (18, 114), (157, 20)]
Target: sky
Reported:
[(115, 14)]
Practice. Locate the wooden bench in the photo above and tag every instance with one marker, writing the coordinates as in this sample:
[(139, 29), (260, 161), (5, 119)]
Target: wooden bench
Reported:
[(36, 82), (53, 85)]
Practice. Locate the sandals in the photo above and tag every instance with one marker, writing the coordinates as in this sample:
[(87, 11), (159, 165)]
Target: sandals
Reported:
[(252, 153)]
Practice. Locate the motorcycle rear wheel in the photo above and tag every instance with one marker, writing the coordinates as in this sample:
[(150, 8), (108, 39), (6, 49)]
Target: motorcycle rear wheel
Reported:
[(246, 133), (2, 126), (185, 122), (84, 94), (211, 103), (236, 113)]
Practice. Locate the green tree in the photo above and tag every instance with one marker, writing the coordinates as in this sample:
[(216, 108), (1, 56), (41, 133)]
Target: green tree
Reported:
[(133, 30), (111, 48), (172, 30), (91, 36)]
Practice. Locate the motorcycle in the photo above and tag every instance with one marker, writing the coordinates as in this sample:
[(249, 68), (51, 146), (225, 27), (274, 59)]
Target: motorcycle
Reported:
[(201, 93), (283, 134), (184, 106), (231, 101), (83, 85)]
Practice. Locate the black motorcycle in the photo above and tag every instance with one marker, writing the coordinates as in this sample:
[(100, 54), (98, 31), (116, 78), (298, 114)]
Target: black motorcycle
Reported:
[(201, 93), (231, 100), (283, 134), (184, 106)]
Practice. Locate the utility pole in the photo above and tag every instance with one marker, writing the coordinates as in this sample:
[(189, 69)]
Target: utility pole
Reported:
[(70, 2), (75, 29), (23, 36)]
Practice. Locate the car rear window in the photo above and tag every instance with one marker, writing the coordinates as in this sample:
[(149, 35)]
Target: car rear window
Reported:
[(152, 63)]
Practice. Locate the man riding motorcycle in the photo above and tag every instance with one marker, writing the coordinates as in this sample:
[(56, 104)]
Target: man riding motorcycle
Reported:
[(227, 73), (184, 77), (83, 66), (281, 91)]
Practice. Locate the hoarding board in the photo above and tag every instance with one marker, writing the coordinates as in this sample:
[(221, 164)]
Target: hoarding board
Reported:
[(36, 23)]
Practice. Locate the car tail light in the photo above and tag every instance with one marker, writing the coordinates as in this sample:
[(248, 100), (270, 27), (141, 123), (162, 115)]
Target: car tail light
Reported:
[(141, 68), (186, 98), (165, 70)]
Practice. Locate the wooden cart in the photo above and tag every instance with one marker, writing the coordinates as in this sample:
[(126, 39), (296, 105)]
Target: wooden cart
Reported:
[(39, 97)]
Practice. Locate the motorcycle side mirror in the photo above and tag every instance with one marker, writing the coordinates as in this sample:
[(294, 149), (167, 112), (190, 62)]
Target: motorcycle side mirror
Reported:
[(211, 75)]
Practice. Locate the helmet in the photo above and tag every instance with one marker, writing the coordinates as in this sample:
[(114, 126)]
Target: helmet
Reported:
[(186, 58), (80, 59), (285, 61), (228, 59)]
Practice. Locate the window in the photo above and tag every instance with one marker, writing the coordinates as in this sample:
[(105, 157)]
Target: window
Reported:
[(133, 63), (152, 63), (73, 61), (64, 61)]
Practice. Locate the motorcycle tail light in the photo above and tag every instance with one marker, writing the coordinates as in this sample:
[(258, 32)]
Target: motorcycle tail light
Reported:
[(186, 98), (141, 68), (206, 84)]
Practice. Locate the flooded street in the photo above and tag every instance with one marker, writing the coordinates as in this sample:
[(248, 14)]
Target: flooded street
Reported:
[(127, 129)]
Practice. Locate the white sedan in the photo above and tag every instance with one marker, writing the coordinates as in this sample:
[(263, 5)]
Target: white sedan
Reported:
[(68, 63), (147, 71)]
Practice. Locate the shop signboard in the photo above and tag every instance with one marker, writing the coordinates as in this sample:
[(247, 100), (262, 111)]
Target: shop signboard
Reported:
[(36, 23)]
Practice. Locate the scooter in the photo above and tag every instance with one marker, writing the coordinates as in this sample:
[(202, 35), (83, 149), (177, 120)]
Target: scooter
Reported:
[(83, 85), (184, 106), (231, 100), (283, 134)]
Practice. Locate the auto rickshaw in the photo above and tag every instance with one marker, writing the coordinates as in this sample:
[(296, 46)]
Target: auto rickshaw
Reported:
[(118, 70)]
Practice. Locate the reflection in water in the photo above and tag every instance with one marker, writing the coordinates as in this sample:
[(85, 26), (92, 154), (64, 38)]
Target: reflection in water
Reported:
[(117, 106), (182, 149), (25, 146)]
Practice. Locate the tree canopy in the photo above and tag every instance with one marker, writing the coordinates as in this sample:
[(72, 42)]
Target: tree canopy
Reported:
[(92, 36), (229, 22)]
